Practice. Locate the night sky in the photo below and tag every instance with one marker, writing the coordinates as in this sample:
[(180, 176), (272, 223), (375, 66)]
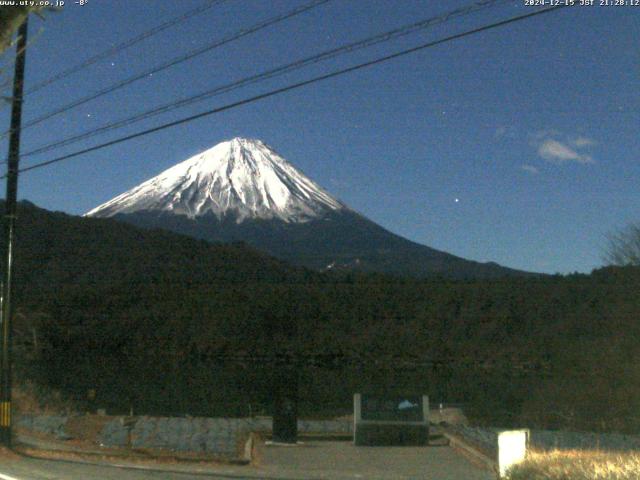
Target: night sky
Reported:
[(518, 145)]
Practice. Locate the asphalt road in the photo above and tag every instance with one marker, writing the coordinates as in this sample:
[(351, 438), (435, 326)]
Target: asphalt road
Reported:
[(311, 461), (36, 469)]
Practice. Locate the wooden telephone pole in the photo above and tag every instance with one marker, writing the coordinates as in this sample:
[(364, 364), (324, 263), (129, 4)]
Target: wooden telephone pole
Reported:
[(9, 225)]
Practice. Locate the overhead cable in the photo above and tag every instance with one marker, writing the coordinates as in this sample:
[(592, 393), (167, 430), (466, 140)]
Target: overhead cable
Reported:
[(291, 87)]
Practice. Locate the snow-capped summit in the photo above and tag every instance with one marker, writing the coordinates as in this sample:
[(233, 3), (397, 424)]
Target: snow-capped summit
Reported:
[(242, 190), (241, 177)]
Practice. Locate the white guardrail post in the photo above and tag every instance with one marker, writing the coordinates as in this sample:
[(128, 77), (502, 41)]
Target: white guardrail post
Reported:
[(512, 449)]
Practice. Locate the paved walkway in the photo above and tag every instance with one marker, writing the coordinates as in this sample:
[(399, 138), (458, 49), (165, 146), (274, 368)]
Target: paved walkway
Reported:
[(313, 460), (343, 460)]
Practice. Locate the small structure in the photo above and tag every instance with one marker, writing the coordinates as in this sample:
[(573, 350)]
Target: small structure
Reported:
[(390, 419), (512, 449)]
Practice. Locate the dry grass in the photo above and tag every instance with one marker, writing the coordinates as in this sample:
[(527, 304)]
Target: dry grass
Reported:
[(138, 457), (257, 452), (31, 399), (453, 416), (578, 465), (86, 427), (8, 455)]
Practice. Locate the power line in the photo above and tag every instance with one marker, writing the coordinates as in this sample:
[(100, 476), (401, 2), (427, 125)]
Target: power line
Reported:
[(11, 64), (171, 63), (290, 87), (124, 45), (328, 54)]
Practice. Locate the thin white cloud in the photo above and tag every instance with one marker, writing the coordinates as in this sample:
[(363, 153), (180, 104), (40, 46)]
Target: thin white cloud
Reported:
[(555, 151), (530, 169), (558, 148), (582, 142)]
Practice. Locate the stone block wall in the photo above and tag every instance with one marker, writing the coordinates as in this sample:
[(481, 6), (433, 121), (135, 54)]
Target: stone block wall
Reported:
[(220, 436), (224, 437), (49, 424)]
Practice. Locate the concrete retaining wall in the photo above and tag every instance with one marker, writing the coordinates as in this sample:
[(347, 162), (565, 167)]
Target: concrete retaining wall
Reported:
[(218, 436), (222, 436), (552, 440), (49, 424)]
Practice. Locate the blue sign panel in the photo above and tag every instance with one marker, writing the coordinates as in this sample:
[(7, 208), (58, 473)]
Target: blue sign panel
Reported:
[(392, 408)]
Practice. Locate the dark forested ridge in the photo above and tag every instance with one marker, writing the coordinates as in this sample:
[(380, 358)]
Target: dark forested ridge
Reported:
[(171, 325), (342, 240)]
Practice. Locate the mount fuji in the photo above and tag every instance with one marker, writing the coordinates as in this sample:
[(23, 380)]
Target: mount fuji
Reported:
[(242, 190)]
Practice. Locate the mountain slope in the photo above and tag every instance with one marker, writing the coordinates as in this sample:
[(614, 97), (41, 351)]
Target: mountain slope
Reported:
[(340, 240), (242, 190)]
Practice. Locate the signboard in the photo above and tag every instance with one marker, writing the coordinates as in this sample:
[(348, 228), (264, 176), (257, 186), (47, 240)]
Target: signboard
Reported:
[(396, 408), (391, 419)]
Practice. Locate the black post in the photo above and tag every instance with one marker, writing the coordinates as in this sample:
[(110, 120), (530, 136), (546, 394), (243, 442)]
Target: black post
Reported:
[(285, 404), (10, 220)]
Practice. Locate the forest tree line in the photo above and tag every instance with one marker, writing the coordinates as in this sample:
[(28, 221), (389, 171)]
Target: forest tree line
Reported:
[(170, 325)]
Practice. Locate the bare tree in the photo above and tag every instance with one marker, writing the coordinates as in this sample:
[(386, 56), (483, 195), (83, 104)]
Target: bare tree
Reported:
[(11, 17), (624, 246)]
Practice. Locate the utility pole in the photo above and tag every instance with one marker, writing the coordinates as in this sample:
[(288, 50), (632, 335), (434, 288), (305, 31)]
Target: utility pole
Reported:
[(9, 224)]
